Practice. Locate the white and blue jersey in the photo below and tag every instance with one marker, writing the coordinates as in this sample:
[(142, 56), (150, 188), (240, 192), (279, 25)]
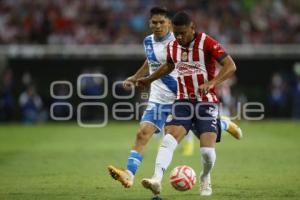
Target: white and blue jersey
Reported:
[(163, 90)]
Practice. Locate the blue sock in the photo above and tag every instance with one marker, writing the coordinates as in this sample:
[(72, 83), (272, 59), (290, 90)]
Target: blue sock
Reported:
[(224, 125), (134, 161)]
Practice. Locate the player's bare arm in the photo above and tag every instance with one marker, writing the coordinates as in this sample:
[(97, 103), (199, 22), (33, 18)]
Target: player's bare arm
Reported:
[(162, 70), (228, 68), (131, 80)]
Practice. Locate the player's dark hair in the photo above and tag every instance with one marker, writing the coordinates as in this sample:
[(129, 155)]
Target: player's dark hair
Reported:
[(181, 19), (159, 11)]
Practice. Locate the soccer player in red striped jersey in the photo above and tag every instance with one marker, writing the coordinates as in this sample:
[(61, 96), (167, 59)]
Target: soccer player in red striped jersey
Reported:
[(193, 55)]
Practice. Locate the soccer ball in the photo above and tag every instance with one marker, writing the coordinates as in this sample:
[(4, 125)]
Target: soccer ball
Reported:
[(183, 178)]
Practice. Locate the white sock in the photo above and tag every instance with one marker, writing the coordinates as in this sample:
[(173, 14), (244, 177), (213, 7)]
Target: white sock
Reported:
[(208, 159), (164, 156)]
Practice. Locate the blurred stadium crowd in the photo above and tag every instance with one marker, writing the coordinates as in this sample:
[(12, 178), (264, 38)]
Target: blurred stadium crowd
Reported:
[(25, 103), (29, 106), (126, 21)]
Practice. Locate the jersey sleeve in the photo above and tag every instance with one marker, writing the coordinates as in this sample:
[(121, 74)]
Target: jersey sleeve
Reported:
[(215, 49)]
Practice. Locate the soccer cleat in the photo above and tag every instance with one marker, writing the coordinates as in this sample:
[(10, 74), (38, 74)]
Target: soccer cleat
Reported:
[(121, 175), (205, 186), (152, 184), (233, 129)]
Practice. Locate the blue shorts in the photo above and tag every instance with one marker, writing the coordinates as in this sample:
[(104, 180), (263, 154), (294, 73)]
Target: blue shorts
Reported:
[(201, 117), (156, 114)]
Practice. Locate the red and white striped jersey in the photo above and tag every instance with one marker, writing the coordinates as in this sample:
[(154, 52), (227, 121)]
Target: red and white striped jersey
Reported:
[(195, 65)]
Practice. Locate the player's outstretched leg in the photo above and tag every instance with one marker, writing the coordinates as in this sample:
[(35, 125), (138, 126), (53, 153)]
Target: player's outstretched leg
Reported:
[(208, 158), (233, 129), (164, 157), (135, 158), (163, 160)]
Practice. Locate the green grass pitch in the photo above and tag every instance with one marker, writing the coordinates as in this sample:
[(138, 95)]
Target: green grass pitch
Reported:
[(64, 161)]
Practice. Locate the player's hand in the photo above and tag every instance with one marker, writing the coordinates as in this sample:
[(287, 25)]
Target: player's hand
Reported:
[(129, 83), (143, 83), (204, 88)]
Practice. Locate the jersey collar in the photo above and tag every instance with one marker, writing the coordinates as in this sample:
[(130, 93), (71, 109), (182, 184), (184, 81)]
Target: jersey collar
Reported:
[(162, 38), (188, 44)]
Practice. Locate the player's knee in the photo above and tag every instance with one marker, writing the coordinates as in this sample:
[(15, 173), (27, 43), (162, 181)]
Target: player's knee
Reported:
[(208, 139), (178, 132), (143, 135)]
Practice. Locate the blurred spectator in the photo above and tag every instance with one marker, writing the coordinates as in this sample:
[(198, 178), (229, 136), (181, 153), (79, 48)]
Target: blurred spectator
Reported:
[(278, 97), (26, 79), (296, 93), (227, 100), (124, 21), (7, 96), (31, 106), (61, 90), (91, 85)]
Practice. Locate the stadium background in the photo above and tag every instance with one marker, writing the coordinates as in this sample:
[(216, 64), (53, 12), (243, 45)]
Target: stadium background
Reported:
[(46, 41)]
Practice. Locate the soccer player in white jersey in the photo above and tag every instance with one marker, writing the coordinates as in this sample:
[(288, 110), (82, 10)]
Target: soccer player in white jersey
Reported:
[(162, 95), (193, 55)]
